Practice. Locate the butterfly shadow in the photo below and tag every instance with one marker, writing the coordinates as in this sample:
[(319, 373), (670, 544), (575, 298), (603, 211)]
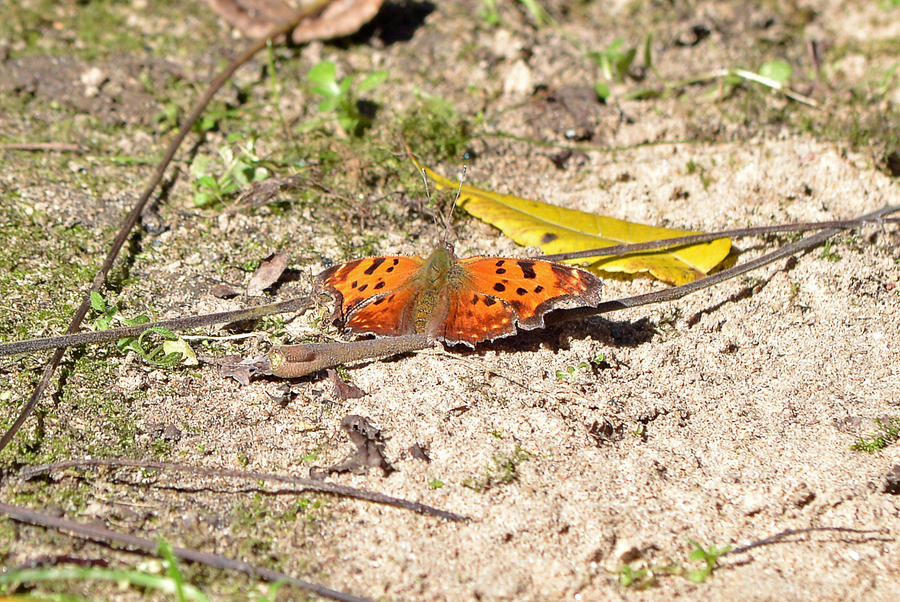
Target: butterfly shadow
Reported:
[(561, 328)]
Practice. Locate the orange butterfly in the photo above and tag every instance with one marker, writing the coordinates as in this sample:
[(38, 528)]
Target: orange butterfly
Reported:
[(454, 300)]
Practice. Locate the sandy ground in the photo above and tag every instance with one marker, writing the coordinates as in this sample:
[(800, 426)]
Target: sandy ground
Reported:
[(725, 418)]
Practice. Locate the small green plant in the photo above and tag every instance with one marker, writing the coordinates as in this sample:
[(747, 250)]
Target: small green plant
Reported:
[(148, 579), (571, 372), (828, 254), (353, 114), (435, 484), (889, 433), (167, 353), (646, 577), (641, 578), (502, 470), (708, 556), (238, 168), (490, 12), (615, 61)]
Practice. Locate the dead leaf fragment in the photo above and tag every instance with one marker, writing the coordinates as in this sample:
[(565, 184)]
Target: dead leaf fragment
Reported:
[(369, 443), (342, 389), (256, 18), (269, 271)]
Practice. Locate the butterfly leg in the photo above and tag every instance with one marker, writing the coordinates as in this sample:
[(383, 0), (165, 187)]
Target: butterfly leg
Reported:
[(293, 361)]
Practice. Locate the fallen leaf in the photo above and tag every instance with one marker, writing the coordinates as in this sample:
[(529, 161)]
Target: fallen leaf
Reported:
[(188, 357), (223, 291), (369, 443), (342, 389), (269, 271), (559, 230), (256, 18)]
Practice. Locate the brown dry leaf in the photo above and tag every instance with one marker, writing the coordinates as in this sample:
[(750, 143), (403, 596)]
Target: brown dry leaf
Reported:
[(269, 271), (256, 18)]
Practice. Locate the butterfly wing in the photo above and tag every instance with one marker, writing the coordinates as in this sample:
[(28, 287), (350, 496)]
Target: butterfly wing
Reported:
[(530, 287), (373, 294), (473, 317)]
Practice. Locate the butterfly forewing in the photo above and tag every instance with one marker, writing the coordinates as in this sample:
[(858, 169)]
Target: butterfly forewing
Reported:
[(352, 283), (390, 314), (531, 287)]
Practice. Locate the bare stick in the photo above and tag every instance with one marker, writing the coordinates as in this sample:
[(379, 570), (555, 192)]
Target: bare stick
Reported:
[(108, 537), (682, 241), (59, 147), (31, 472), (134, 215), (99, 336), (788, 532)]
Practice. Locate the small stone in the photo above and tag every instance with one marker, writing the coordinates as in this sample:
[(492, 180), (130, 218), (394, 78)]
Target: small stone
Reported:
[(92, 79), (519, 80)]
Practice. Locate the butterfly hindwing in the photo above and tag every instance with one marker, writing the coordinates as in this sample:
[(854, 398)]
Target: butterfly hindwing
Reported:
[(474, 317), (530, 287), (352, 283)]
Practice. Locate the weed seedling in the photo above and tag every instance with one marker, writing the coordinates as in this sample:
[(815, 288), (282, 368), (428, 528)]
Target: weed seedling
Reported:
[(353, 114), (167, 353), (238, 169), (571, 372), (708, 556), (890, 432)]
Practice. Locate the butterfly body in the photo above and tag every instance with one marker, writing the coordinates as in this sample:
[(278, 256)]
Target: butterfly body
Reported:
[(466, 300)]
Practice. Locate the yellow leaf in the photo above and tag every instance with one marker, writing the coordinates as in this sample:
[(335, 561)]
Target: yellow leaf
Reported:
[(559, 230)]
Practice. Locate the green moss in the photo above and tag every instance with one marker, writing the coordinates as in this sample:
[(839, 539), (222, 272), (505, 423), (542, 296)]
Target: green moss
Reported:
[(101, 28), (51, 261), (434, 129)]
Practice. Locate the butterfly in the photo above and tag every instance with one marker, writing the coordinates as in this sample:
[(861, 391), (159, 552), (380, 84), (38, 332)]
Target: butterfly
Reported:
[(453, 300)]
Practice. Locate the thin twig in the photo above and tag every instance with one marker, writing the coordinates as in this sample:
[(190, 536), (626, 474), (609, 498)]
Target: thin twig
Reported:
[(788, 532), (132, 218), (99, 336), (109, 537), (31, 472), (58, 147), (693, 239)]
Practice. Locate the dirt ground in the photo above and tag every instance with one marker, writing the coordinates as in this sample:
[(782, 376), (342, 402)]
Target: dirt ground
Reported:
[(724, 418)]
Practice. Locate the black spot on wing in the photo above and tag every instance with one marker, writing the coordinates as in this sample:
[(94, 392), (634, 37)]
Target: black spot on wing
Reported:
[(499, 287), (548, 237), (527, 268), (538, 288), (376, 263), (501, 270), (489, 301), (500, 263), (363, 287), (520, 291), (380, 284)]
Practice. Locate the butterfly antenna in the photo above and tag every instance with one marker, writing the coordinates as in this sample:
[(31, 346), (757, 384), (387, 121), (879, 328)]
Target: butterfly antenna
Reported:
[(462, 178), (434, 216), (449, 217)]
